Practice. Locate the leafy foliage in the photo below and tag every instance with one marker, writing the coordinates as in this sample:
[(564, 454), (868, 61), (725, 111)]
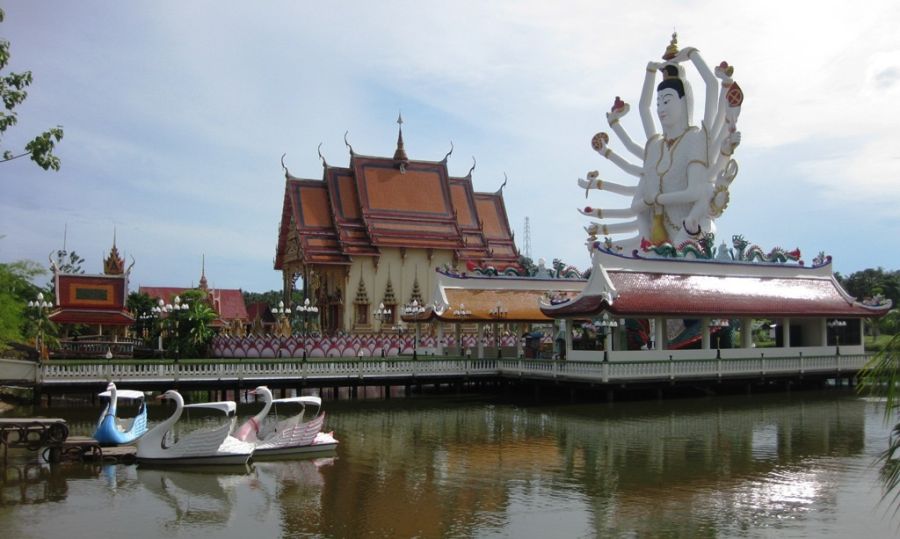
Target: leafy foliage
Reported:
[(16, 289), (271, 298), (69, 262), (190, 330), (871, 282), (881, 377), (13, 93), (145, 323)]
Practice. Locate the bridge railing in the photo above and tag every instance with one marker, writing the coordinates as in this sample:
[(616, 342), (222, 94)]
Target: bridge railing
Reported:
[(75, 372)]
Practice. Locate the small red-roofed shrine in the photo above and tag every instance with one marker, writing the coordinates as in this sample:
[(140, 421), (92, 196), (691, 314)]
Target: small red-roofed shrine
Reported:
[(96, 301)]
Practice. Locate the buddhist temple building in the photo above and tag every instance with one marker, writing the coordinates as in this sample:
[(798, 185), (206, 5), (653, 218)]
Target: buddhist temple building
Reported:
[(372, 233), (229, 305)]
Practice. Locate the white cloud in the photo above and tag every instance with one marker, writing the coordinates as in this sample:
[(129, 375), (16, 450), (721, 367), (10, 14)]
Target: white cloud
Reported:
[(176, 114)]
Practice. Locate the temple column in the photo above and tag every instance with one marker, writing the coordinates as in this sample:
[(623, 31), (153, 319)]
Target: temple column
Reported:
[(479, 336), (660, 334), (823, 331), (786, 332), (704, 323), (746, 332), (519, 340), (440, 338)]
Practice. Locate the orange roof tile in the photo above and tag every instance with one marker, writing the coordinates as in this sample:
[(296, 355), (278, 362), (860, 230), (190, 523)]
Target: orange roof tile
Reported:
[(372, 204)]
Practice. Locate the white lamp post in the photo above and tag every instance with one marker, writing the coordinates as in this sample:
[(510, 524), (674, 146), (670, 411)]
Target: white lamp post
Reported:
[(40, 305), (461, 313), (836, 327), (498, 313), (415, 310)]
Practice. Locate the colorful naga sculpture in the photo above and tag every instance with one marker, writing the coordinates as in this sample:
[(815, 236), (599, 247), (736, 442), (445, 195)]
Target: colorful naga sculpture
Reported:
[(684, 172), (754, 253)]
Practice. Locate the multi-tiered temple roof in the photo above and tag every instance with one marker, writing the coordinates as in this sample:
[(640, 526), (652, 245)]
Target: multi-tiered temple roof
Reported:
[(394, 202)]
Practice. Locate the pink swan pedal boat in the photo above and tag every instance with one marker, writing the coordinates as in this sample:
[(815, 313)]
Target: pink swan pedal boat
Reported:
[(277, 434)]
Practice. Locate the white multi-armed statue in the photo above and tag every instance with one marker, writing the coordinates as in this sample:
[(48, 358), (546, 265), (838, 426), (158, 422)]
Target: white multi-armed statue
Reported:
[(684, 172)]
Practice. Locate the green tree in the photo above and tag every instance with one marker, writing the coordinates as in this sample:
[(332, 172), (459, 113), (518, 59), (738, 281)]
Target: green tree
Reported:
[(872, 282), (190, 330), (16, 290), (881, 376), (141, 307), (13, 93), (69, 262)]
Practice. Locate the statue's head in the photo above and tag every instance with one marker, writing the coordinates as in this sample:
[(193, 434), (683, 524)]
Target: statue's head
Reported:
[(673, 98)]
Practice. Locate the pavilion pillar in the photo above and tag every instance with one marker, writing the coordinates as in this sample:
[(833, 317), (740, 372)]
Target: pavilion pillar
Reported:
[(519, 340), (786, 333), (660, 334), (823, 331), (705, 338), (440, 338), (568, 333), (746, 332), (479, 335)]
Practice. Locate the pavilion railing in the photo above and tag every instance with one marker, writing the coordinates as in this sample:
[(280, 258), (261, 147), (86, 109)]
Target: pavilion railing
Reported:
[(375, 369)]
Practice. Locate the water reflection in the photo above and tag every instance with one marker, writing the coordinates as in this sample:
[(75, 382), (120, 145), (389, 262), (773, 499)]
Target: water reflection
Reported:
[(724, 467)]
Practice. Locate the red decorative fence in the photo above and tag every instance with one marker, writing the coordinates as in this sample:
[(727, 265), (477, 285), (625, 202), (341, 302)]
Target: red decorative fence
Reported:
[(365, 345)]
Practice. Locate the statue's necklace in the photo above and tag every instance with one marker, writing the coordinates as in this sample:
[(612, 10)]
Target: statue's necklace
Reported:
[(671, 145)]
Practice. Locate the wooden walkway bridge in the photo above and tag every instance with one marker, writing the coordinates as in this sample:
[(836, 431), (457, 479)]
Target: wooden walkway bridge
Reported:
[(61, 376)]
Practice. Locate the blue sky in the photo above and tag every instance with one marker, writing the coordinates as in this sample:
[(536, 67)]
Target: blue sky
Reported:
[(176, 115)]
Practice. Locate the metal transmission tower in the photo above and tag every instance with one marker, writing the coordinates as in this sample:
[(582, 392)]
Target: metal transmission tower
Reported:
[(527, 238)]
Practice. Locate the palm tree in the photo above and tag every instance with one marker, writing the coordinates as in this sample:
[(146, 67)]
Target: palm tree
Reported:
[(200, 316), (881, 376)]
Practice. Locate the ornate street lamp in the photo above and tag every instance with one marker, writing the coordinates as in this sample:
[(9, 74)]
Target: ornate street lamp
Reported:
[(170, 311), (836, 328), (40, 306), (415, 310), (306, 310), (719, 323), (383, 314), (280, 313), (498, 313), (460, 313), (608, 324)]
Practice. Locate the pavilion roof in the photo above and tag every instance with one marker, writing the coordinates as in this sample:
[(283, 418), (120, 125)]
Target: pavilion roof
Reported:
[(648, 288), (518, 297), (92, 317)]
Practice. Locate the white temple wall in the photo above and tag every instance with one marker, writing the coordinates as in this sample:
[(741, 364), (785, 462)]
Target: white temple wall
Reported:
[(402, 269)]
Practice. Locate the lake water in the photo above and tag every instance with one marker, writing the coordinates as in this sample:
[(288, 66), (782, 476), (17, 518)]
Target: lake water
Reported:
[(788, 465)]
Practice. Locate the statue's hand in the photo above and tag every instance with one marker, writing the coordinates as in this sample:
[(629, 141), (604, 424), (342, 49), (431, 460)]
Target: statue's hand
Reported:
[(653, 67), (724, 72), (683, 55), (731, 142), (600, 144), (619, 109)]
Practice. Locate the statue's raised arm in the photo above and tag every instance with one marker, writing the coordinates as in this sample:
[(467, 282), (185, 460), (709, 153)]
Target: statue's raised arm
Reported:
[(647, 99), (712, 97)]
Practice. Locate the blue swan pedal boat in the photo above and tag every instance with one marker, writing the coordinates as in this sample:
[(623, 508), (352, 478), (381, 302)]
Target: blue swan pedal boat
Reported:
[(114, 430)]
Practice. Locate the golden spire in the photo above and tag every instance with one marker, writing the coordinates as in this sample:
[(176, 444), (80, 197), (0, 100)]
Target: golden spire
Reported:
[(113, 264), (672, 49), (400, 154), (203, 283)]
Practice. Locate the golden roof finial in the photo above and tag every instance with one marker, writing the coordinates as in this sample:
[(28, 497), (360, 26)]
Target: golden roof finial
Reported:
[(672, 49)]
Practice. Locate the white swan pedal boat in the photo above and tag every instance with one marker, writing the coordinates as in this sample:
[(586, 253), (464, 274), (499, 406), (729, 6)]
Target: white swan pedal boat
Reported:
[(291, 435), (114, 430), (201, 446)]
